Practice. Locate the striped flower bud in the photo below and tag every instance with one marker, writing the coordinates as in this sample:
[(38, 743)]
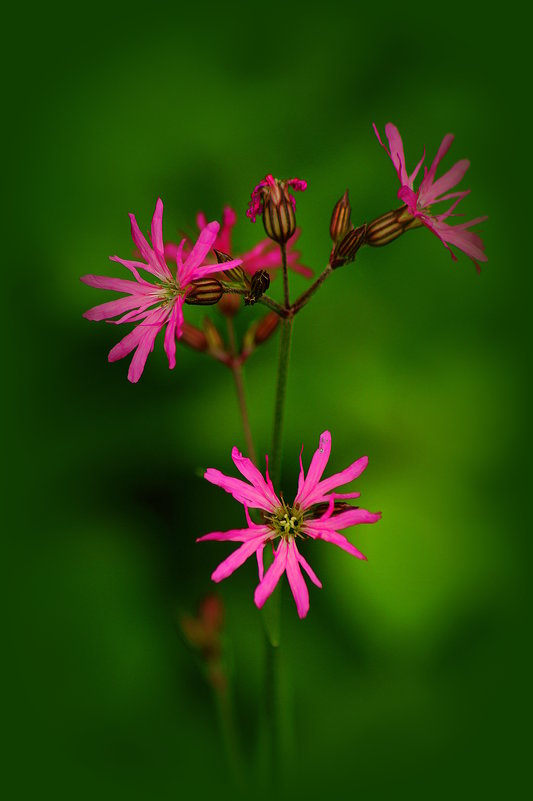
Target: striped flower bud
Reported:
[(340, 219), (259, 285), (193, 337), (346, 250), (272, 199), (204, 292), (390, 226), (236, 275)]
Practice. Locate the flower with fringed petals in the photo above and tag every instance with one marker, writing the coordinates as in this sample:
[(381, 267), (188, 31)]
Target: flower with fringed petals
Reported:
[(435, 190), (156, 303), (316, 513)]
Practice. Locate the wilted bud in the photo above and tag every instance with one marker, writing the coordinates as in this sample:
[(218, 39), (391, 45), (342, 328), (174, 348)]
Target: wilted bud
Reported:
[(390, 226), (272, 199), (204, 292), (193, 337), (259, 285), (346, 250), (340, 219)]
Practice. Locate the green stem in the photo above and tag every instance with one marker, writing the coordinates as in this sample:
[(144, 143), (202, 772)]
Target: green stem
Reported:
[(236, 370), (283, 249), (302, 300), (228, 730), (279, 404), (271, 304)]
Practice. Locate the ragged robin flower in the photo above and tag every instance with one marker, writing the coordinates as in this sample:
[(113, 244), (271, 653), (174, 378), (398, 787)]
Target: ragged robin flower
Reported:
[(157, 303), (434, 190), (316, 513)]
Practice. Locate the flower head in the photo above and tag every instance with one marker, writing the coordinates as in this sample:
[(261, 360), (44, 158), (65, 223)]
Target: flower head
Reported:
[(435, 190), (316, 513), (272, 199), (159, 302)]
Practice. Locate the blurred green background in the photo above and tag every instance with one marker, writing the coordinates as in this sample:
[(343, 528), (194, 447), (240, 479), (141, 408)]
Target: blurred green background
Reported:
[(410, 676)]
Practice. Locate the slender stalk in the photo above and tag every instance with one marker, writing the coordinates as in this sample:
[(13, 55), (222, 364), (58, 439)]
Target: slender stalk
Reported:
[(283, 249), (302, 300), (236, 369), (226, 719), (271, 304), (279, 404)]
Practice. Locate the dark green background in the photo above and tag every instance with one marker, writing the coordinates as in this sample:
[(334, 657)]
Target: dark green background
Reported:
[(409, 676)]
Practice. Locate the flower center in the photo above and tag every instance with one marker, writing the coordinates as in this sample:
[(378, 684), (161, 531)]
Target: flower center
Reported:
[(287, 521)]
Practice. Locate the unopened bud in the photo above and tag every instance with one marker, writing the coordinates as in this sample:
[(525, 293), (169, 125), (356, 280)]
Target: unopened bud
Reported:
[(390, 226), (236, 275), (258, 333), (340, 219), (346, 250), (215, 342), (193, 337), (259, 285), (204, 292), (266, 327)]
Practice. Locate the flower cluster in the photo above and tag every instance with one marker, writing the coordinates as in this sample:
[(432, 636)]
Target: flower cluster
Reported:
[(315, 514)]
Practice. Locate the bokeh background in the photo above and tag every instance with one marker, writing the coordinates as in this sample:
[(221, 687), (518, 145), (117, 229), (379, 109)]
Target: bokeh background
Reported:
[(410, 675)]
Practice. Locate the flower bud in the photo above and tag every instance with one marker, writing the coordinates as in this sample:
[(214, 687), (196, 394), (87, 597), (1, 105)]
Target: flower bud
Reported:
[(258, 333), (340, 218), (204, 292), (266, 327), (193, 337), (347, 248), (390, 226), (271, 198), (259, 285), (215, 342), (236, 275)]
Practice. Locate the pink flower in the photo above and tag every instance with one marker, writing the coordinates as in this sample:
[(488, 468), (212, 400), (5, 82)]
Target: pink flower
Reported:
[(432, 190), (263, 256), (157, 303), (313, 514)]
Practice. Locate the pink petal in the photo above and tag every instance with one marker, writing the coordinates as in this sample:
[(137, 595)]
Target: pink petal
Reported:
[(296, 581), (157, 238), (152, 264), (247, 468), (447, 181), (315, 530), (236, 534), (236, 559), (318, 494), (260, 564), (114, 307), (170, 333), (118, 284), (351, 517), (396, 152), (240, 490), (430, 174), (145, 347), (203, 245), (267, 586), (316, 468), (309, 570), (208, 269), (134, 267)]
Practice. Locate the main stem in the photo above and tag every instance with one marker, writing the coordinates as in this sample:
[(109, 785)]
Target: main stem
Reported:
[(236, 369)]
